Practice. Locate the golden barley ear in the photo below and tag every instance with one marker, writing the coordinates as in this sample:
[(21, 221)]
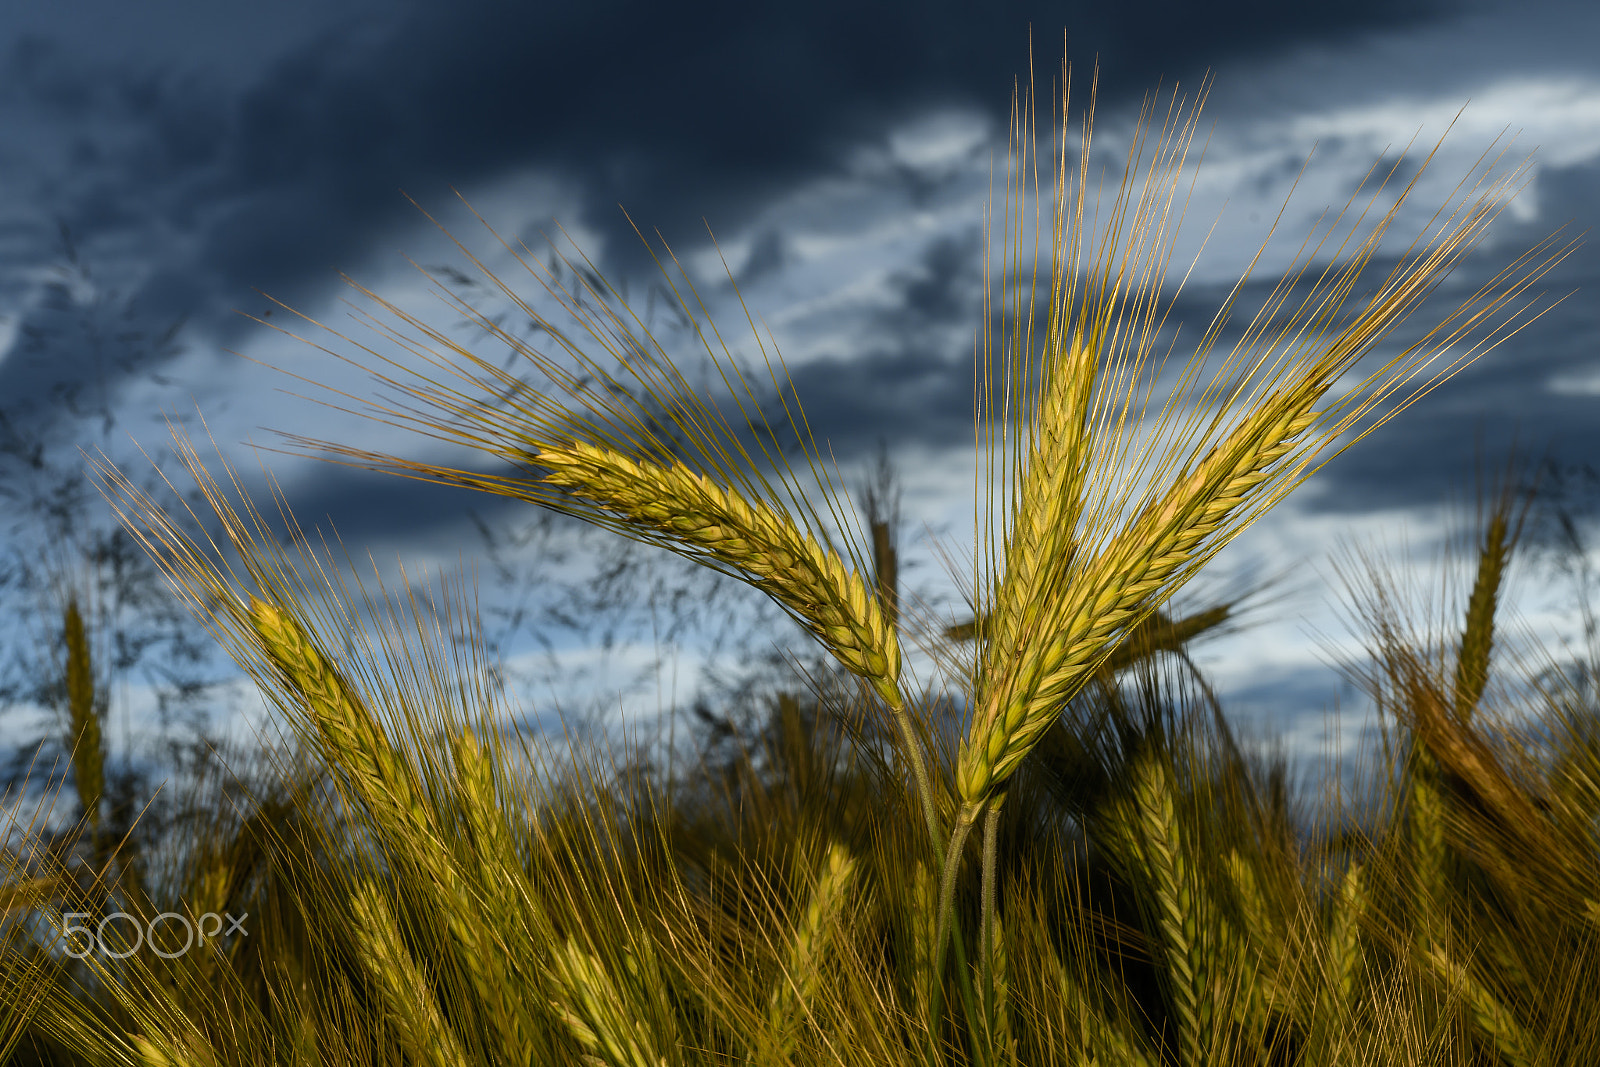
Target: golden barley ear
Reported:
[(762, 543)]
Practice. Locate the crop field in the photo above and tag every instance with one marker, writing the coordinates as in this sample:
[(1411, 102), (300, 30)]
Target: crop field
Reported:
[(1061, 855)]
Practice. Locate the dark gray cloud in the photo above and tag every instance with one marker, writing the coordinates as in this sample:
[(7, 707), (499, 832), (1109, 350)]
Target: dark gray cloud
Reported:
[(676, 113)]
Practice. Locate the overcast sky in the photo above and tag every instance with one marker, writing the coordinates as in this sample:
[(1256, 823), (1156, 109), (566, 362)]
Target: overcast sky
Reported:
[(195, 155)]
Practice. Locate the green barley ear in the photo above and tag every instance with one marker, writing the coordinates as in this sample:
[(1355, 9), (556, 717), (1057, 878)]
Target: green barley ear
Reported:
[(408, 1001), (595, 1011), (1487, 1011), (1145, 837), (1258, 949), (794, 994)]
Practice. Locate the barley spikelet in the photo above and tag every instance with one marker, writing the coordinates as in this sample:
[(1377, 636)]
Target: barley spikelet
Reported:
[(409, 1003), (794, 993), (810, 581)]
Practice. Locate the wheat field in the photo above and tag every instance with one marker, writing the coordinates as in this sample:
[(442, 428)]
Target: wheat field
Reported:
[(1089, 870)]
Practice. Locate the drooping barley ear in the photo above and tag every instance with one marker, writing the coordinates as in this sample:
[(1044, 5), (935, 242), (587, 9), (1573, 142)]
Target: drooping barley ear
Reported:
[(794, 993), (1492, 1017), (809, 581), (1512, 836), (597, 1014), (88, 748), (409, 1003)]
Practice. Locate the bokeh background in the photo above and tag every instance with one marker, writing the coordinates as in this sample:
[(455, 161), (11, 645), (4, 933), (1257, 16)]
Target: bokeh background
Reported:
[(166, 164)]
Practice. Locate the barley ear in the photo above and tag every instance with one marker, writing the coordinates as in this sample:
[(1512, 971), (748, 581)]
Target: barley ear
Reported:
[(1428, 852), (351, 737), (409, 1003), (757, 540), (1257, 949), (793, 998), (1491, 1016), (1332, 1024), (1477, 637), (1180, 913), (597, 1014), (387, 787), (88, 749)]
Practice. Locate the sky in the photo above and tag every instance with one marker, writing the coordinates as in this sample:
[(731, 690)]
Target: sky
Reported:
[(179, 164)]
